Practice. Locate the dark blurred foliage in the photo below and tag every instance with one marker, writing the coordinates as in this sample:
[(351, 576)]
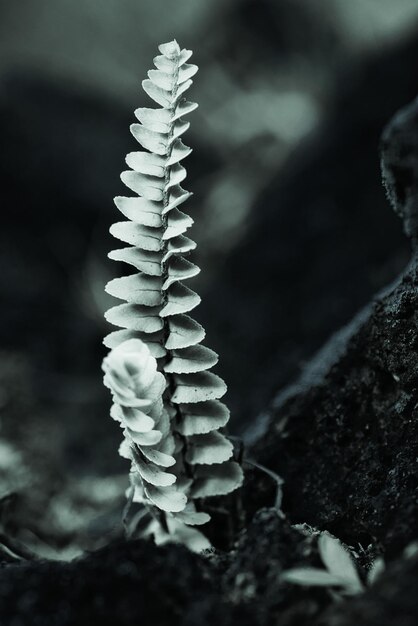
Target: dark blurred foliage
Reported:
[(294, 233)]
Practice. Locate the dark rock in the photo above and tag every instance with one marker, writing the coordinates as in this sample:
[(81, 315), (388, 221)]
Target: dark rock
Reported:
[(345, 436), (400, 166), (124, 584)]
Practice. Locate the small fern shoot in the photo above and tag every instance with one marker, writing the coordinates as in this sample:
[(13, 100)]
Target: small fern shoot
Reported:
[(158, 340)]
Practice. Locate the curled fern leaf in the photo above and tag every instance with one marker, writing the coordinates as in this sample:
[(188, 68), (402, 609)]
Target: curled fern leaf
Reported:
[(157, 303), (137, 387)]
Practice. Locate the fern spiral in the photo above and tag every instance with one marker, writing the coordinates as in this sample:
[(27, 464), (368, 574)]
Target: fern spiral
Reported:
[(155, 313)]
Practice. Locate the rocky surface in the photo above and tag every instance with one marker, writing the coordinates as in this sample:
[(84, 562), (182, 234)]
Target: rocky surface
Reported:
[(345, 436)]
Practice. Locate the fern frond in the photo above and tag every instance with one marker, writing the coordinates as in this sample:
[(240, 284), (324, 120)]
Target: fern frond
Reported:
[(137, 387), (157, 303)]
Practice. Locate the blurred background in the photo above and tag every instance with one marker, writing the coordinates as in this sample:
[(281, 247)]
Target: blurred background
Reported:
[(294, 232)]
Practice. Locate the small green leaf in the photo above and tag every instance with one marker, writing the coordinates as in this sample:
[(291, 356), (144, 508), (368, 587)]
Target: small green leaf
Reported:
[(311, 576), (376, 570), (338, 561)]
